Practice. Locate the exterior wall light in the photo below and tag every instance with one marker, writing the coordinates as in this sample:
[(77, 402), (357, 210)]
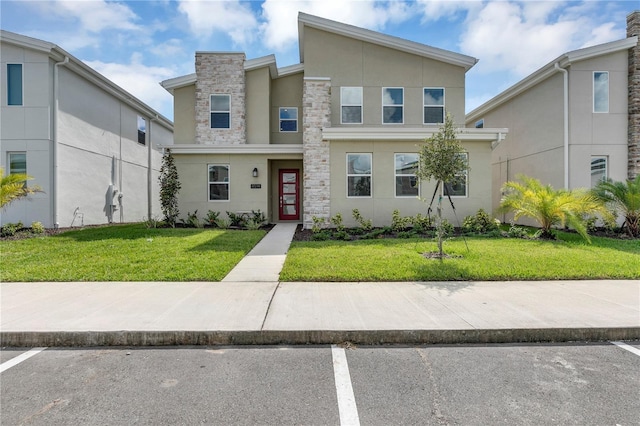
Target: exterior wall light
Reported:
[(255, 172)]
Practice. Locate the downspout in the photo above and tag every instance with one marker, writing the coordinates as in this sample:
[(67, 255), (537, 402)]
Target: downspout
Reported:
[(149, 171), (566, 122), (54, 147)]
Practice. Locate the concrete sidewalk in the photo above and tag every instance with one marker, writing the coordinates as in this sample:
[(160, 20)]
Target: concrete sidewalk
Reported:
[(250, 306)]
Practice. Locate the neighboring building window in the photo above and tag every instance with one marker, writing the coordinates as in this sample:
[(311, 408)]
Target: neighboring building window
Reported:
[(433, 105), (359, 175), (598, 170), (218, 182), (480, 124), (17, 163), (142, 130), (460, 187), (288, 119), (601, 91), (220, 111), (406, 167), (392, 105), (351, 105), (14, 84)]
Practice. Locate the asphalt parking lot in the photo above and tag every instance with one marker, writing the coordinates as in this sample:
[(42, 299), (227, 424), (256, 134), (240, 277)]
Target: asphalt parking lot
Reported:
[(581, 383)]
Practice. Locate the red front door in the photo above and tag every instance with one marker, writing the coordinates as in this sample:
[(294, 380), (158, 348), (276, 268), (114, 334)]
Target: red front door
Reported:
[(289, 191)]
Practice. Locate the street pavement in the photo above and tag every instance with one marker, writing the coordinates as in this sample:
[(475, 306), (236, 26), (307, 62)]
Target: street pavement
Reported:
[(250, 306)]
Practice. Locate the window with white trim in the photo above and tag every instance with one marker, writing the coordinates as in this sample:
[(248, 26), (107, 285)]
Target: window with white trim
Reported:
[(359, 174), (433, 103), (480, 124), (220, 111), (289, 119), (459, 187), (601, 91), (392, 105), (218, 182), (17, 162), (598, 169), (142, 130), (351, 105), (406, 167), (14, 84)]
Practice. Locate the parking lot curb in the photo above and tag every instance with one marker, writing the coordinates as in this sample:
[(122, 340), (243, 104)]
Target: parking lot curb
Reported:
[(311, 337)]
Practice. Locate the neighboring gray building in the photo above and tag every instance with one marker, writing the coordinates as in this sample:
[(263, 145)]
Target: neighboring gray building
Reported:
[(91, 146), (571, 123)]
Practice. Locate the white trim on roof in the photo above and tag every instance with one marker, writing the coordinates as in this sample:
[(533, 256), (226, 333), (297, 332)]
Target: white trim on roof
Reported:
[(380, 39), (548, 70), (409, 134), (235, 149)]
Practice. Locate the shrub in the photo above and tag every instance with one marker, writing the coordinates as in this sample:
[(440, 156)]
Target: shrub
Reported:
[(399, 223), (356, 231), (366, 224), (421, 222), (447, 227), (480, 223), (517, 232), (236, 219), (192, 220), (318, 224), (37, 228), (376, 233), (223, 223), (151, 222), (169, 188), (337, 222), (253, 224), (258, 216), (211, 218), (342, 235), (10, 229), (406, 234), (321, 236)]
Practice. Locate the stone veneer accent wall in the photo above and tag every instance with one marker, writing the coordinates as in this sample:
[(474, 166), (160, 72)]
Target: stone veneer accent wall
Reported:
[(316, 114), (220, 73), (633, 29)]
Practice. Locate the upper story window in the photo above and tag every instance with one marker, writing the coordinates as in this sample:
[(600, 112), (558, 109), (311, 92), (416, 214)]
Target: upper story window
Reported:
[(142, 130), (460, 187), (17, 163), (480, 124), (351, 105), (218, 182), (433, 105), (601, 91), (289, 119), (392, 105), (359, 175), (220, 111), (14, 84), (598, 169), (406, 167)]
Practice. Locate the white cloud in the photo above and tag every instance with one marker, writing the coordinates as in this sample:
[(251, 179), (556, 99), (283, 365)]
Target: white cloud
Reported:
[(170, 48), (140, 80), (280, 28), (433, 10), (98, 15), (230, 17)]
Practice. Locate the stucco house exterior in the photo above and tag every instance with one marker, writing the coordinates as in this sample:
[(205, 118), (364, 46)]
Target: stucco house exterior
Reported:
[(572, 122), (91, 146), (336, 132)]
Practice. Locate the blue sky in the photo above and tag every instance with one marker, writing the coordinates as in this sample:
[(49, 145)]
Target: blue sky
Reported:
[(137, 44)]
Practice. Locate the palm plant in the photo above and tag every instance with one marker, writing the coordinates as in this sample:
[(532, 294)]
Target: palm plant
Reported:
[(623, 198), (550, 207), (13, 187)]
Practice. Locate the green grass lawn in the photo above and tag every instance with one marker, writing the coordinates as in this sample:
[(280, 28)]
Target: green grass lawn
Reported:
[(126, 253), (487, 259)]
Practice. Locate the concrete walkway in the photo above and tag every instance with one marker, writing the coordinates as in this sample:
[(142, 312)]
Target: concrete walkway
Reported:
[(250, 306)]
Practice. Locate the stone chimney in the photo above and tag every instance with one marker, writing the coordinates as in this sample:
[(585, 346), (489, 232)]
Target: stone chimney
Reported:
[(633, 29), (220, 73)]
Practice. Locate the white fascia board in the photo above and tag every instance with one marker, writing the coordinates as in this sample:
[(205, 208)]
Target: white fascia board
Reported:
[(265, 61), (291, 69), (24, 41), (176, 83), (546, 71), (380, 39), (409, 134), (235, 149)]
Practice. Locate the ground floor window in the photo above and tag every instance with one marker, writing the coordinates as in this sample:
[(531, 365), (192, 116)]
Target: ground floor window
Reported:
[(458, 188), (598, 169), (359, 175), (218, 182), (17, 163), (406, 167)]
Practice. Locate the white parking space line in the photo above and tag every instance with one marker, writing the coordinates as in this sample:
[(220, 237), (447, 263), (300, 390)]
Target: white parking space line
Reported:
[(346, 400), (17, 360), (630, 348)]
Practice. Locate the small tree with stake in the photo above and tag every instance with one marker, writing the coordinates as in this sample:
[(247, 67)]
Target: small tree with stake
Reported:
[(169, 188), (442, 159)]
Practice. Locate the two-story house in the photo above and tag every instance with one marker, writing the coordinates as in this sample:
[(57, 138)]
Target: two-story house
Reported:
[(340, 130), (91, 146), (574, 121)]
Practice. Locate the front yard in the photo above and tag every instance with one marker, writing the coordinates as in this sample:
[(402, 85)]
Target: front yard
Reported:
[(487, 259), (127, 253)]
